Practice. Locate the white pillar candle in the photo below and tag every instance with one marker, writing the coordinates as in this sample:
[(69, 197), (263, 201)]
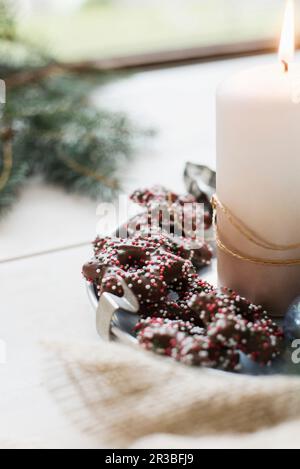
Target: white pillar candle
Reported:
[(258, 177)]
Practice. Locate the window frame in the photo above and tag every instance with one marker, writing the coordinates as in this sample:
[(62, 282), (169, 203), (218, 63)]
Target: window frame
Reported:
[(179, 57)]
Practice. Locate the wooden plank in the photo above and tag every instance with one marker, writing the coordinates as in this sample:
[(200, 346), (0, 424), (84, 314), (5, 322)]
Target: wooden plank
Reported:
[(43, 299)]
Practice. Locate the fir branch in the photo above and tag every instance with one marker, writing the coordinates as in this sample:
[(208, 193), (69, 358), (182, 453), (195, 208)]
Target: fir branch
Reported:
[(66, 140), (57, 132)]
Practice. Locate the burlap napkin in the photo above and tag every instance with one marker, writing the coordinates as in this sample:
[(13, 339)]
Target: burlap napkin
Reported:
[(120, 395)]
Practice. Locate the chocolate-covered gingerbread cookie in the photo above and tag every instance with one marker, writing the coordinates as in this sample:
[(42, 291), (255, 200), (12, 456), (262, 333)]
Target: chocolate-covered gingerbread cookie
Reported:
[(185, 343), (163, 335), (148, 265), (196, 250), (201, 350), (235, 322), (180, 215)]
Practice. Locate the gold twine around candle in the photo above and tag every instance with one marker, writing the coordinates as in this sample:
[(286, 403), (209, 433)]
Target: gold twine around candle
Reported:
[(249, 234), (254, 260), (252, 237)]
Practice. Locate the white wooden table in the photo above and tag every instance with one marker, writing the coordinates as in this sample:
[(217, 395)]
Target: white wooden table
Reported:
[(44, 242)]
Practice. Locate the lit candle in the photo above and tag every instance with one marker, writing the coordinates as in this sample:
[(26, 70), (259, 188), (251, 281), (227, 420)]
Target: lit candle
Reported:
[(258, 187)]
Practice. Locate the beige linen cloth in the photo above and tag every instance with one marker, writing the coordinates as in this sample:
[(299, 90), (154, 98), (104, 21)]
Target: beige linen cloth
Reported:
[(126, 397)]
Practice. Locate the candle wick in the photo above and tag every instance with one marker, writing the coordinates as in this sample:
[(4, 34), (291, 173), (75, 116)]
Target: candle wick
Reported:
[(286, 66)]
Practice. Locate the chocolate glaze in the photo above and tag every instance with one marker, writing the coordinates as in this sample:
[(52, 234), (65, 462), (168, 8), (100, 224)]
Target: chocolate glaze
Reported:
[(235, 322), (181, 315), (185, 343), (148, 265), (170, 212)]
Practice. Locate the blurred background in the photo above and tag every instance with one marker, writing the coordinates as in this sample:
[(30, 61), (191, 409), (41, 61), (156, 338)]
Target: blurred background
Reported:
[(93, 107), (77, 29), (88, 79)]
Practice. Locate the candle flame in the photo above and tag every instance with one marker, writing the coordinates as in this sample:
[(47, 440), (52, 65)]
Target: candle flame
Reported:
[(287, 43)]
